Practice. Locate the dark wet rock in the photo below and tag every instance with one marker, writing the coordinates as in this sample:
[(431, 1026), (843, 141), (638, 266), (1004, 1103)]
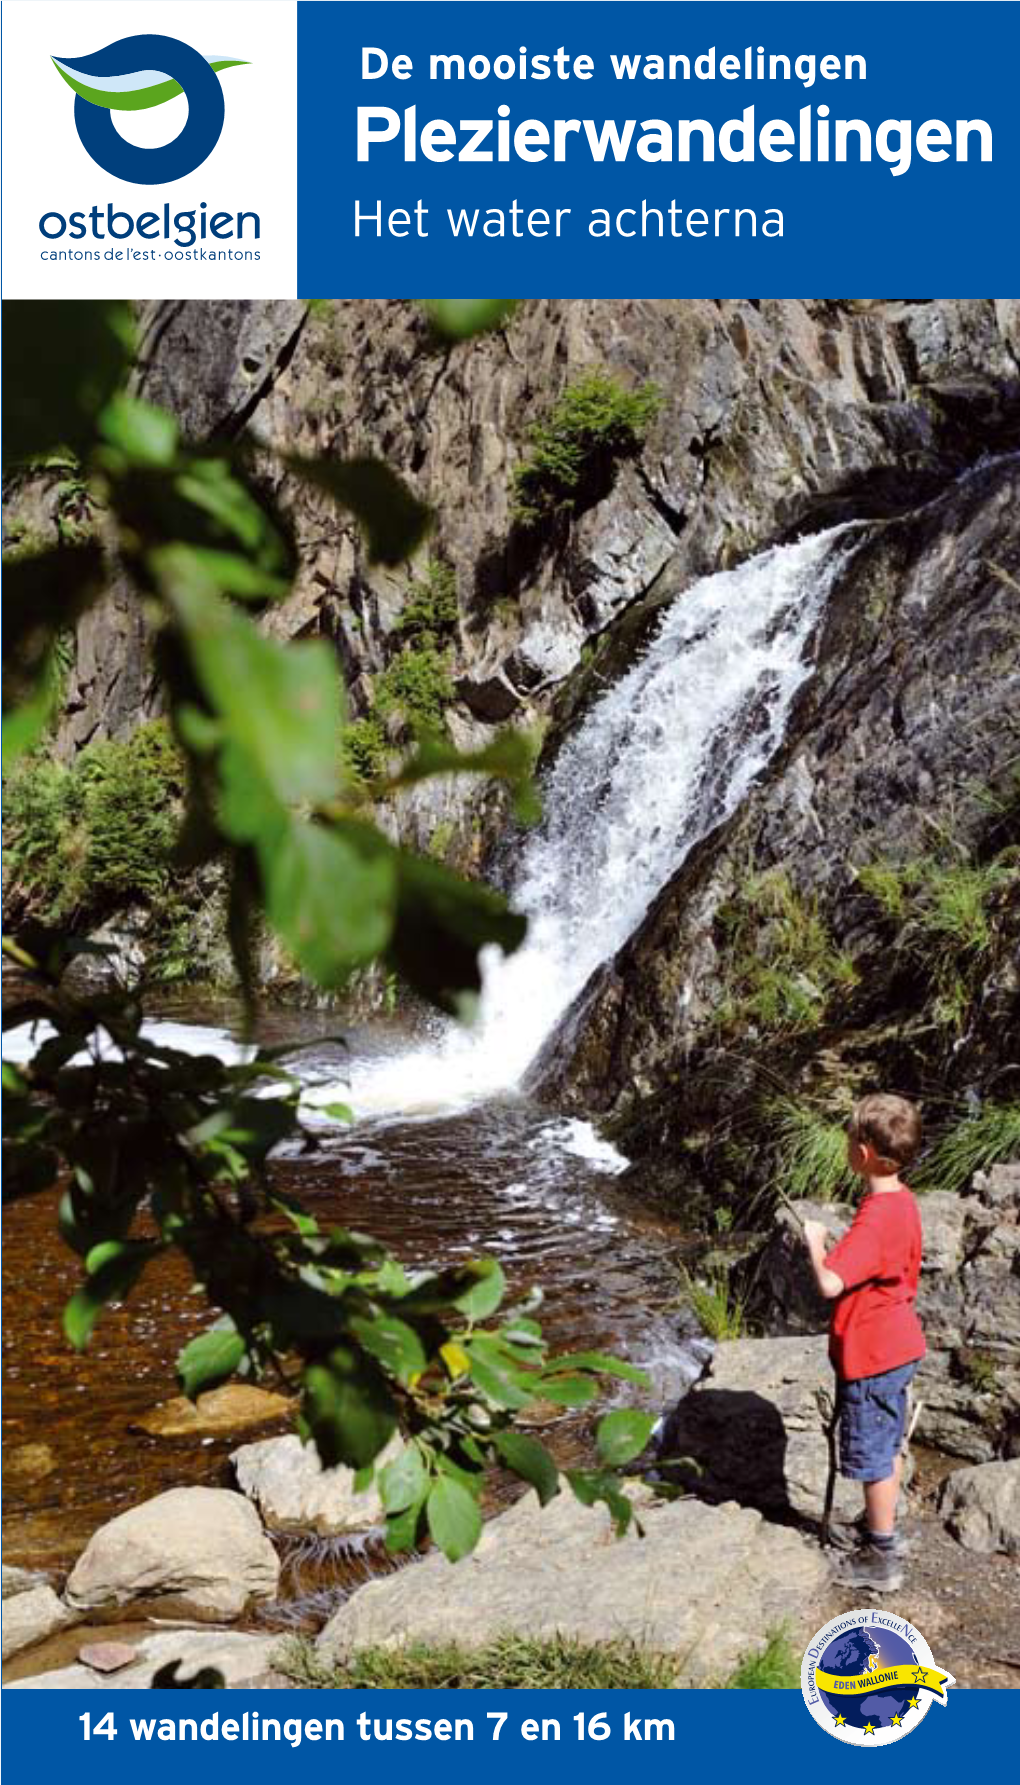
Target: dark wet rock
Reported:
[(914, 695), (755, 1429)]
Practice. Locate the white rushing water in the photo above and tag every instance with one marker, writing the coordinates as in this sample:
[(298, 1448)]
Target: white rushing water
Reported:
[(667, 752)]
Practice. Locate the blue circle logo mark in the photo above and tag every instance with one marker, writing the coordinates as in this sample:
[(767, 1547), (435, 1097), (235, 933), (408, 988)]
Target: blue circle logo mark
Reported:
[(132, 75)]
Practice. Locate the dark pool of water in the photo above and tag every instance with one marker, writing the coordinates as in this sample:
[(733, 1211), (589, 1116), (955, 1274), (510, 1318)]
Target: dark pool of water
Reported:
[(503, 1179)]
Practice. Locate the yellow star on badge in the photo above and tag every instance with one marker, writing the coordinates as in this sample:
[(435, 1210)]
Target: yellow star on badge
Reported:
[(896, 1719), (839, 1717), (869, 1729), (913, 1704), (919, 1676)]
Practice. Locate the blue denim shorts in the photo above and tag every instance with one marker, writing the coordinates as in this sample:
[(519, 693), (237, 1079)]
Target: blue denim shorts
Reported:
[(872, 1421)]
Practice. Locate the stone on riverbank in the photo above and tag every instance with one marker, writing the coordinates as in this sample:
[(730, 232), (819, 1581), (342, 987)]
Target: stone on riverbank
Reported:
[(293, 1492), (194, 1551), (981, 1507), (238, 1657), (30, 1617), (755, 1428), (236, 1407), (703, 1584), (21, 1580)]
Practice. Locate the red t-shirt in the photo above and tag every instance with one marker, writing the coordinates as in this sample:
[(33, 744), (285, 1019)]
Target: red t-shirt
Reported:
[(874, 1325)]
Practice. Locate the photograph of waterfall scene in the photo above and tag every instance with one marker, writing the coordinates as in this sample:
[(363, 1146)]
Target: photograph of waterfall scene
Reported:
[(489, 785)]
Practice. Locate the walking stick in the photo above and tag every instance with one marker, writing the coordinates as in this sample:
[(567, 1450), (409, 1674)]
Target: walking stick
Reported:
[(828, 1407)]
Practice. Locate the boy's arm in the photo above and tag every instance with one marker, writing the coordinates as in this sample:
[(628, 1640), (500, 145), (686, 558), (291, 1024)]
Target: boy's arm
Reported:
[(816, 1239)]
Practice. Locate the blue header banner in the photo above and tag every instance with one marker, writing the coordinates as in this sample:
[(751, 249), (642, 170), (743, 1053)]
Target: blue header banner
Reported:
[(661, 148)]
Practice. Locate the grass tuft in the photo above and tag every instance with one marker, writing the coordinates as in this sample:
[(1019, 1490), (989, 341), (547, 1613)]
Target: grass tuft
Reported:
[(775, 1667), (507, 1663), (720, 1312), (779, 966), (810, 1150), (991, 1136)]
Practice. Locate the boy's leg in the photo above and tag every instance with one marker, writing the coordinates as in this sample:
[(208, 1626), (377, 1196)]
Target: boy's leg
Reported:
[(880, 1499)]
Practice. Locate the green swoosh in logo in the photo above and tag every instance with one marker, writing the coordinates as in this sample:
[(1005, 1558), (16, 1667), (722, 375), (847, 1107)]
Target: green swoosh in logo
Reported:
[(135, 99)]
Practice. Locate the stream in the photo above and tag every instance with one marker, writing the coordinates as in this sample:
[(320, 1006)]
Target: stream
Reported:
[(448, 1158)]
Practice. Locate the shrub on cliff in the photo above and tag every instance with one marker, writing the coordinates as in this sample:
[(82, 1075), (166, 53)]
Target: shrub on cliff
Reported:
[(101, 831), (593, 423)]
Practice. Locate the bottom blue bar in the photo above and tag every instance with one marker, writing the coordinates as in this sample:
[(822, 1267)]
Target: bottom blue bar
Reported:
[(279, 1733)]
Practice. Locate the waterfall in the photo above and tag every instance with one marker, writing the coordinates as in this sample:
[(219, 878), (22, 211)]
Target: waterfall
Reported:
[(668, 751)]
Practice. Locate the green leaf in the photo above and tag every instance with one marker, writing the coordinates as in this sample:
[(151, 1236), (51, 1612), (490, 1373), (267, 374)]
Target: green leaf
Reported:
[(395, 522), (209, 1359), (25, 724), (591, 1486), (348, 1409), (442, 924), (509, 757), (338, 1112), (457, 319), (143, 433), (603, 1364), (393, 1343), (64, 359), (497, 1378), (236, 575), (567, 1391), (117, 1266), (453, 1518), (280, 703), (485, 1293), (402, 1528), (531, 1461), (330, 900), (403, 1482), (623, 1435)]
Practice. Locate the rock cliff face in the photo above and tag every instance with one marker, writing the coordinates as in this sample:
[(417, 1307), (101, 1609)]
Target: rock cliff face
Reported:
[(905, 735), (775, 418)]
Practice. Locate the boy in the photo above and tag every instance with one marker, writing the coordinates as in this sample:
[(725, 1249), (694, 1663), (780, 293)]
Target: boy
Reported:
[(875, 1338)]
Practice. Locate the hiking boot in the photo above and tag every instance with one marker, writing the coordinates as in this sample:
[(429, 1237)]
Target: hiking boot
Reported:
[(851, 1534), (879, 1569)]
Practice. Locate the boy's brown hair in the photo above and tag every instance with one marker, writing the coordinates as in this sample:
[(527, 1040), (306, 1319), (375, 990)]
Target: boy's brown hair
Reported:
[(890, 1125)]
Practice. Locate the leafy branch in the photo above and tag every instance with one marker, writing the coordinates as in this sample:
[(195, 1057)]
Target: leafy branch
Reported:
[(155, 1148)]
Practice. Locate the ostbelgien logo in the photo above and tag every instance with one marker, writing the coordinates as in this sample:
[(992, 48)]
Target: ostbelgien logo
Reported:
[(132, 75), (869, 1678)]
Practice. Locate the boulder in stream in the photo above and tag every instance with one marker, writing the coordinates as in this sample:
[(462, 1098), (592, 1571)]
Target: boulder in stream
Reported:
[(194, 1551), (293, 1491), (236, 1407), (30, 1617)]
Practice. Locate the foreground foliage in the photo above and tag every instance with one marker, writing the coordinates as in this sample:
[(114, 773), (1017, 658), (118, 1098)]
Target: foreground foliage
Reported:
[(154, 1148)]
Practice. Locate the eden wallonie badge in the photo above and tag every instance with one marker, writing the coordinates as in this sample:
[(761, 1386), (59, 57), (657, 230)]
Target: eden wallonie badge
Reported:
[(869, 1678)]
